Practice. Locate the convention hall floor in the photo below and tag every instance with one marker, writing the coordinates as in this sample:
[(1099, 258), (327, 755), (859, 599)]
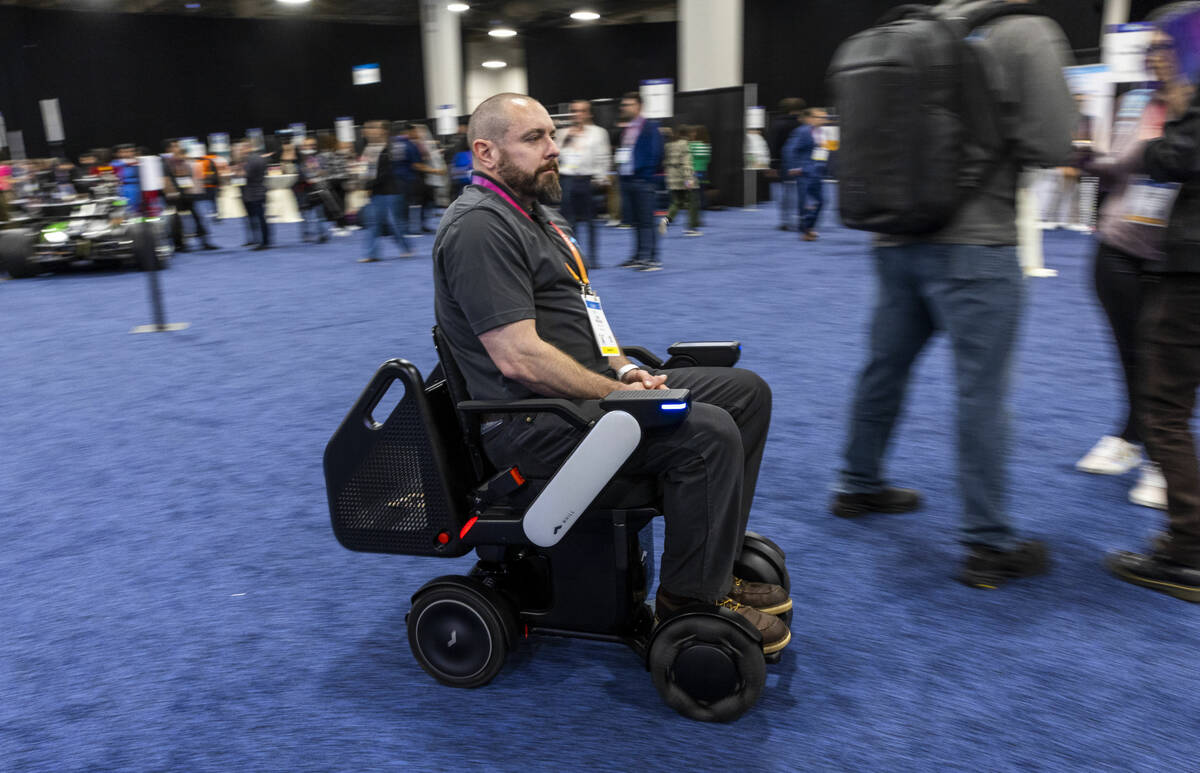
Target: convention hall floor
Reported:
[(174, 598)]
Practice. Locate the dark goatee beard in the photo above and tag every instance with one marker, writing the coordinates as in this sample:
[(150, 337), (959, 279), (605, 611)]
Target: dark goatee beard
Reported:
[(545, 188)]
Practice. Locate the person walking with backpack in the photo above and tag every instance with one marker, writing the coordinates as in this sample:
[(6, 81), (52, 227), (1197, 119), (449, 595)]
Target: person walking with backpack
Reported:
[(804, 162), (939, 187)]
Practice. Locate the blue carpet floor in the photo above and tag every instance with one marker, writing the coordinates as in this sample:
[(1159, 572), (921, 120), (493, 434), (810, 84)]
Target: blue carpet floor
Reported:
[(174, 599)]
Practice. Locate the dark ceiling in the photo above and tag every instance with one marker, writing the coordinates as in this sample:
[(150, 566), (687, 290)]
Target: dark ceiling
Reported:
[(524, 14)]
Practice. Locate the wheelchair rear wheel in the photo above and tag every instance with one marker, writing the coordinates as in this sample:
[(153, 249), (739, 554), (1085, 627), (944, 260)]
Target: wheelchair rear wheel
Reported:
[(707, 667), (460, 631), (762, 560)]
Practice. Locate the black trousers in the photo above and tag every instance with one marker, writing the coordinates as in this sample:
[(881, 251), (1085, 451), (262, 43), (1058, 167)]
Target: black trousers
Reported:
[(707, 467), (579, 206), (256, 217), (1170, 349), (188, 204), (1120, 288)]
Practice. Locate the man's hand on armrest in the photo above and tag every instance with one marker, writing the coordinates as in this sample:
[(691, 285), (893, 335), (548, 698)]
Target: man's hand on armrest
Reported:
[(521, 355)]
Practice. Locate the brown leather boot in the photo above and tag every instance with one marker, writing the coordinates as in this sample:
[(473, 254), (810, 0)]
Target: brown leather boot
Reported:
[(766, 598)]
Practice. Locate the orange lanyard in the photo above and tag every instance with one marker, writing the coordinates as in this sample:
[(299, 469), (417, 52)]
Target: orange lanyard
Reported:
[(581, 276)]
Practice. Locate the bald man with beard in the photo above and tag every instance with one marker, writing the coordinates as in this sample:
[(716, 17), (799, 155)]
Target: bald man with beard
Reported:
[(510, 287)]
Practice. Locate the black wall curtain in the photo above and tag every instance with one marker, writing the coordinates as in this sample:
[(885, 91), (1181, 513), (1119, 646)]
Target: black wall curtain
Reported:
[(723, 113), (143, 78), (788, 44), (596, 62)]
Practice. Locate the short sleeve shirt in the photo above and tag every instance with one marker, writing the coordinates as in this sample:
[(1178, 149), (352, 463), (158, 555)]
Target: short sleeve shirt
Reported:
[(493, 266)]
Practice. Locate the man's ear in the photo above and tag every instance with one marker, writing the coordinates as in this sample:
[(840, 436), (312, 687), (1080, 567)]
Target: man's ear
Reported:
[(486, 152)]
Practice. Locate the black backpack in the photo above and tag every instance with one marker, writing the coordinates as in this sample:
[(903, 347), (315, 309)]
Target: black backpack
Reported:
[(923, 125)]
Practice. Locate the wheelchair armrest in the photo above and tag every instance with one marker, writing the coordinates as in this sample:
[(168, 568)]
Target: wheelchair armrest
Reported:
[(564, 409), (642, 355), (653, 408), (705, 354)]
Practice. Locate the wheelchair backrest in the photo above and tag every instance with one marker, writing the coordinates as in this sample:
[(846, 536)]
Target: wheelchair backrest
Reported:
[(397, 485), (456, 383)]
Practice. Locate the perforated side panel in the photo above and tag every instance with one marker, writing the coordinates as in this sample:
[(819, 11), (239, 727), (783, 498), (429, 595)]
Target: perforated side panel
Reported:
[(395, 502)]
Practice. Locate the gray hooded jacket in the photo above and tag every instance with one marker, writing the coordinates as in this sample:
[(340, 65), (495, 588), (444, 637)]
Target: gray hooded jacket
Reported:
[(1030, 52)]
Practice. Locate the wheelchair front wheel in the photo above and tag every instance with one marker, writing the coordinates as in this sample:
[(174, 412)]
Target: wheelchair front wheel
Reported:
[(459, 632), (707, 667)]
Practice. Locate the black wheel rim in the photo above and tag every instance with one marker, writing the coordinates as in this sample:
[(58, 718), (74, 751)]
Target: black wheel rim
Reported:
[(454, 639)]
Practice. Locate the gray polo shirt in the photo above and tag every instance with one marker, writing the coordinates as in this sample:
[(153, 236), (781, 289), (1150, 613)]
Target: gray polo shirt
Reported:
[(493, 266)]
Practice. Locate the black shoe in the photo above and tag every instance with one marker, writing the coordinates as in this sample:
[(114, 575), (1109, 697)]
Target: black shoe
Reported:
[(324, 238), (785, 228), (183, 249), (208, 246), (888, 500), (631, 263), (989, 568), (261, 247), (652, 265), (249, 244), (1156, 573)]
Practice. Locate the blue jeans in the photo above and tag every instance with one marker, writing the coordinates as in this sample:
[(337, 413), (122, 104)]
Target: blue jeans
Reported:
[(384, 207), (640, 194), (579, 208), (787, 199), (973, 293), (811, 196)]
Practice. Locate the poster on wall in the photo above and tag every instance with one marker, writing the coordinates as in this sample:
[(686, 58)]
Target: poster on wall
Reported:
[(150, 173), (365, 74), (1124, 51), (1092, 86), (344, 128), (218, 143), (52, 120), (16, 145), (299, 131), (756, 117), (447, 120), (658, 98)]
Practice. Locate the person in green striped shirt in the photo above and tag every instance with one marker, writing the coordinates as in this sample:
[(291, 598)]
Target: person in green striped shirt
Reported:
[(701, 150)]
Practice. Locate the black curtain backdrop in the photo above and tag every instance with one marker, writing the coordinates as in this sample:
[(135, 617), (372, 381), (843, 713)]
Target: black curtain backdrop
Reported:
[(142, 78), (723, 113), (788, 44), (595, 62)]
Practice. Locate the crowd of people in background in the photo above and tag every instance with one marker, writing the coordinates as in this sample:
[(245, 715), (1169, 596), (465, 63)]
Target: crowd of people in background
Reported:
[(391, 182)]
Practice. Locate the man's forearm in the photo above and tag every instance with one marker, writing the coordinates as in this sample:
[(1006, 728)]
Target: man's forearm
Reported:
[(553, 373)]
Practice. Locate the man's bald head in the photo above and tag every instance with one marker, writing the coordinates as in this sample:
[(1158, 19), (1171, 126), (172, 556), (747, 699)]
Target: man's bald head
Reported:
[(512, 139), (492, 119)]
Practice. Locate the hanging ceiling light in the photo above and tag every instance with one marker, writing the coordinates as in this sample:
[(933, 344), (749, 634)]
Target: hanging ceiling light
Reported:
[(293, 2), (585, 16), (458, 8), (495, 64), (502, 32)]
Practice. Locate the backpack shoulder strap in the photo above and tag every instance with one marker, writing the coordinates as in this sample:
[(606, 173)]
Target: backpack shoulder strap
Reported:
[(999, 10), (910, 11)]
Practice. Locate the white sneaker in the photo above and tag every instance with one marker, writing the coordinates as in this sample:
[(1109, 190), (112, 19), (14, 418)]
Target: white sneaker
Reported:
[(662, 226), (1151, 488), (1110, 456)]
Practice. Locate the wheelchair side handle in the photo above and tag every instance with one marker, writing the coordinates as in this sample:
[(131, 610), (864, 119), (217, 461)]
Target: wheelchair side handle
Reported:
[(642, 355), (393, 370)]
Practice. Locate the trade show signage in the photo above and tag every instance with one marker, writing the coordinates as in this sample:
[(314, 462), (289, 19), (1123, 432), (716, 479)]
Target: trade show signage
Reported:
[(218, 143), (52, 120), (344, 127), (1124, 51), (658, 98), (365, 74), (756, 117), (447, 120)]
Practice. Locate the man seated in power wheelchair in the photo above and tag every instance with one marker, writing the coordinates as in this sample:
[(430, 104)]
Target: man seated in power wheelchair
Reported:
[(553, 493)]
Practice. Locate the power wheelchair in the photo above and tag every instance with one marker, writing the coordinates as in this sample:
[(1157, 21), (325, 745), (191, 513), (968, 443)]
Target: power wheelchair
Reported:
[(569, 556)]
